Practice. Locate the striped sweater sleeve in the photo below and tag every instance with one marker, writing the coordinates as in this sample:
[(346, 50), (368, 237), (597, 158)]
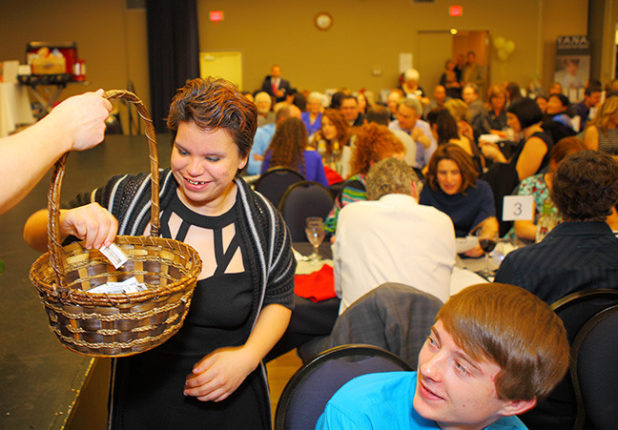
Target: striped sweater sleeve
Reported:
[(348, 195)]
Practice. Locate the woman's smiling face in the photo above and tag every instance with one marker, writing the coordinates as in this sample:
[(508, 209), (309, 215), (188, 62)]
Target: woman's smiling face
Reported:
[(204, 164)]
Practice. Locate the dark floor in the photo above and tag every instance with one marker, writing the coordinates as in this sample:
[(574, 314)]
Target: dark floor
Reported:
[(39, 379)]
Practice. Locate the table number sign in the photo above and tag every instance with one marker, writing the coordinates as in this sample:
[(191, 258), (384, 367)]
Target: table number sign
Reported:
[(517, 208)]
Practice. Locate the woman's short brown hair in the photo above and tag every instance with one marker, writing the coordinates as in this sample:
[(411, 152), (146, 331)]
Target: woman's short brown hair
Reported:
[(373, 143), (212, 104), (455, 153), (514, 329)]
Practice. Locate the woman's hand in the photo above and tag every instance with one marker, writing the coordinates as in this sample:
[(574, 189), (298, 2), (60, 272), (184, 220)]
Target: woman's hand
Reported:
[(220, 373), (92, 223), (474, 252), (465, 129), (492, 151)]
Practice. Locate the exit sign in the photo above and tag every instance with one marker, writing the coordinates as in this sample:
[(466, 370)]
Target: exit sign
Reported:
[(216, 15), (455, 11)]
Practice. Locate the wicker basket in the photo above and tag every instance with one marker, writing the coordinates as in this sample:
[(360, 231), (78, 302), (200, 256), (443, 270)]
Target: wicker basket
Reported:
[(115, 325)]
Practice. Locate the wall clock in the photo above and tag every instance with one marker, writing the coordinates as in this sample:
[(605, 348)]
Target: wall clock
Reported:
[(323, 21)]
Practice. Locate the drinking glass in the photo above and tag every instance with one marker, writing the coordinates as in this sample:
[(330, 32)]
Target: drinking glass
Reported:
[(314, 228), (487, 242)]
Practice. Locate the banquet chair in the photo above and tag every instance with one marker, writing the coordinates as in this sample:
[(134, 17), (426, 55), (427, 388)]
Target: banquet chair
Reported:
[(557, 411), (301, 200), (273, 183), (311, 387), (393, 316), (594, 356)]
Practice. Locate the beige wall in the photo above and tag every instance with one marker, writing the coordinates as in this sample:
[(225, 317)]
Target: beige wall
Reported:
[(366, 34), (609, 41), (111, 39), (370, 33)]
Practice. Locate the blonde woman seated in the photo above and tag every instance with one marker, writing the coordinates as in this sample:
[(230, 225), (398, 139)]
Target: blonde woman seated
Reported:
[(602, 132), (493, 120), (539, 187), (459, 110), (453, 188), (288, 149)]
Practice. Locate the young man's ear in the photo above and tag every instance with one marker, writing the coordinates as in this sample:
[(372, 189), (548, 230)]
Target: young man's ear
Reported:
[(516, 407), (414, 189)]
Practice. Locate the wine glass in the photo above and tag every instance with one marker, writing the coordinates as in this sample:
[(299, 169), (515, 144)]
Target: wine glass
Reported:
[(314, 228), (487, 242)]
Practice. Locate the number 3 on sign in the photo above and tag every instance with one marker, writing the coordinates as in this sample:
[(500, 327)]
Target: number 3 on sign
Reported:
[(517, 208)]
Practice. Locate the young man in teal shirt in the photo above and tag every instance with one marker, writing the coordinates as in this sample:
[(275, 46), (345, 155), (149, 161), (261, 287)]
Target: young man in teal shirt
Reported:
[(493, 351)]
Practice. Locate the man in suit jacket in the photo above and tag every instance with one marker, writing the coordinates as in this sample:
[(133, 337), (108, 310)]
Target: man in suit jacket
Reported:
[(274, 85)]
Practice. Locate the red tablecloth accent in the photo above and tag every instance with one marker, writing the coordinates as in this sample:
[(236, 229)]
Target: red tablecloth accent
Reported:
[(332, 176), (316, 286)]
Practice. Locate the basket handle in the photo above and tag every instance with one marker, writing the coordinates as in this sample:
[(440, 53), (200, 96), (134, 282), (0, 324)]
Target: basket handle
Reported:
[(53, 197)]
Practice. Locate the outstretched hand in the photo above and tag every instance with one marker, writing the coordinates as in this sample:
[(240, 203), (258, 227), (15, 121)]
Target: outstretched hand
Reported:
[(83, 116)]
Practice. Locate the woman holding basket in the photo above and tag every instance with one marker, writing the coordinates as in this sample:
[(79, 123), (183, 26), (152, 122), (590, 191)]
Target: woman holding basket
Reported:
[(210, 373)]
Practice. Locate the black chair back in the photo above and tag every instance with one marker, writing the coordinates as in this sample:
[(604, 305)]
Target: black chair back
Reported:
[(594, 371), (301, 200), (305, 396), (558, 410), (273, 183)]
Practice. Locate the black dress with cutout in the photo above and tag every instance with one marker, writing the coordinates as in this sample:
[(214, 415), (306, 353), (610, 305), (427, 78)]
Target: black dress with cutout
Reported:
[(147, 391)]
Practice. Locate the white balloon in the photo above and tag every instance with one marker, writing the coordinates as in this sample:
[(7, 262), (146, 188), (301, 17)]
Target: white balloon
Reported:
[(509, 46), (502, 54), (499, 42)]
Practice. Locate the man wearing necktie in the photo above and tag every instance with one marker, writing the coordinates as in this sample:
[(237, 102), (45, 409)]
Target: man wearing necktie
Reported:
[(275, 85)]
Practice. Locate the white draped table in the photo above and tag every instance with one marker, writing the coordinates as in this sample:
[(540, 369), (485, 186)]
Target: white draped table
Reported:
[(14, 107)]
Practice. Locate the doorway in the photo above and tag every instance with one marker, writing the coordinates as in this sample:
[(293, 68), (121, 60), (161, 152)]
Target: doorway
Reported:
[(435, 47)]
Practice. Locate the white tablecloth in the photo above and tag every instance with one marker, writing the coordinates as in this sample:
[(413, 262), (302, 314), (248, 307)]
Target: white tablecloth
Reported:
[(14, 107)]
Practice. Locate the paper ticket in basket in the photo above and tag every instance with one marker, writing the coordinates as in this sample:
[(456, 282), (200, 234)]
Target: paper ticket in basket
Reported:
[(114, 254), (129, 285)]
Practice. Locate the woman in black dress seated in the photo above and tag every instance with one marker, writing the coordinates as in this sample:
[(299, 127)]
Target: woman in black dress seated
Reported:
[(532, 152), (210, 374), (452, 187)]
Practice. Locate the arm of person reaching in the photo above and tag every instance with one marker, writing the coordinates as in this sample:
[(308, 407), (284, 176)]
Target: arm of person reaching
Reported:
[(91, 223), (492, 151), (525, 229), (418, 135), (490, 228), (530, 158), (485, 219), (219, 374), (591, 138), (77, 123)]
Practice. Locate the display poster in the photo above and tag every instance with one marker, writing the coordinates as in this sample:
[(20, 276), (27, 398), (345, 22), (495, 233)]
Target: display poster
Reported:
[(572, 69)]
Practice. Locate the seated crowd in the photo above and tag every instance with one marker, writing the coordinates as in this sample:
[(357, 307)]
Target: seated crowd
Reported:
[(413, 173), (410, 179)]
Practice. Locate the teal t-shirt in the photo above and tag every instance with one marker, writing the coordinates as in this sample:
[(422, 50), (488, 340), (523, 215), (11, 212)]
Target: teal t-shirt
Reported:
[(384, 401)]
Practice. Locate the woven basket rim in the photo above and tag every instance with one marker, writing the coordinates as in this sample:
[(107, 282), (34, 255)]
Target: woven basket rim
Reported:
[(79, 297)]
